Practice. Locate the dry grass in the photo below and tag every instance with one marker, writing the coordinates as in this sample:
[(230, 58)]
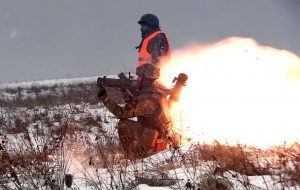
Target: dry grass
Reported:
[(39, 120), (49, 95)]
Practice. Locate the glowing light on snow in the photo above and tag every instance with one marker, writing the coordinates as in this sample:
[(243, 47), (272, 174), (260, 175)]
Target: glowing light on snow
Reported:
[(238, 91)]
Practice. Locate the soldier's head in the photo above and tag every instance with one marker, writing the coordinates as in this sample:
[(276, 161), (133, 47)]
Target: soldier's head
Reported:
[(148, 22)]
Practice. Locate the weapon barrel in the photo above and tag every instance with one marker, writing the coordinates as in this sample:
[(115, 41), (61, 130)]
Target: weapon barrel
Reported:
[(117, 83)]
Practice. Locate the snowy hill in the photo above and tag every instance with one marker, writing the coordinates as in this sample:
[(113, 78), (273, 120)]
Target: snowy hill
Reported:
[(52, 128), (44, 92)]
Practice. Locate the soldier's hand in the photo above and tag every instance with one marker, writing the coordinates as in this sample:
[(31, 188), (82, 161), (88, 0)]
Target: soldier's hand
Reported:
[(101, 92)]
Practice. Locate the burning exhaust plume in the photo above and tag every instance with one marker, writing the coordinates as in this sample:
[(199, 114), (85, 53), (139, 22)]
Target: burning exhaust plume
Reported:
[(238, 92)]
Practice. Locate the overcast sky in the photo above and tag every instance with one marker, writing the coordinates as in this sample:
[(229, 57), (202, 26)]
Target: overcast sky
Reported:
[(80, 38)]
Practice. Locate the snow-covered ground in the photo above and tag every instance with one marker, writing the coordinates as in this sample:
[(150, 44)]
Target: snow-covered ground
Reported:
[(47, 83), (79, 138)]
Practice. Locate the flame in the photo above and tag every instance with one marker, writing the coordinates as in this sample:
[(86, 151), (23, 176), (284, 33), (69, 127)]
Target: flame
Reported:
[(238, 92)]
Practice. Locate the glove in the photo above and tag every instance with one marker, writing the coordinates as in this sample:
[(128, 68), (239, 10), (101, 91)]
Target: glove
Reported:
[(101, 93)]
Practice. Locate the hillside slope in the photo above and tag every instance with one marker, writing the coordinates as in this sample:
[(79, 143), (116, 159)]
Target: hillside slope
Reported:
[(52, 128)]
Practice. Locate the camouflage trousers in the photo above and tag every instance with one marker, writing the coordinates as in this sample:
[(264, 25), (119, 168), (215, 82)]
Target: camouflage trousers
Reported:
[(137, 141)]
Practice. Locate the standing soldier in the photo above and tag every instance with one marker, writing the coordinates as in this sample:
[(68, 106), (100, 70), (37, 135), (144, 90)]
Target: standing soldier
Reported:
[(155, 44), (150, 133)]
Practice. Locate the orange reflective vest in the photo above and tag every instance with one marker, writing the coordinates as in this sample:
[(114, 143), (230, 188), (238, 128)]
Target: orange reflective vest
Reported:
[(144, 55)]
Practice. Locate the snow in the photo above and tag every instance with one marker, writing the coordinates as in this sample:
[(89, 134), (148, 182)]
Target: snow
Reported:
[(147, 187), (13, 34), (167, 165), (48, 83)]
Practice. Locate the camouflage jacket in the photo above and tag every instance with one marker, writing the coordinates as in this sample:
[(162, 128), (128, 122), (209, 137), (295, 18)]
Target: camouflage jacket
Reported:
[(158, 47), (151, 111)]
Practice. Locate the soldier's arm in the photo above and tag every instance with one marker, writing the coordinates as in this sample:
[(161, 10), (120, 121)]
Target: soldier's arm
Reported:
[(158, 46), (141, 108)]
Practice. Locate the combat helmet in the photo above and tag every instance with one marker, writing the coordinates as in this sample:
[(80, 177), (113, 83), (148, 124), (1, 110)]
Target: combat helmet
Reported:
[(149, 19)]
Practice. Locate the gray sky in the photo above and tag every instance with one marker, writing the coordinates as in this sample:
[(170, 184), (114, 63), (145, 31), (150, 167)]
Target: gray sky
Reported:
[(46, 39)]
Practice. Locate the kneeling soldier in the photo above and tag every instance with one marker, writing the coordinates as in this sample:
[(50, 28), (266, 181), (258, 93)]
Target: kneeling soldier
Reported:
[(149, 133)]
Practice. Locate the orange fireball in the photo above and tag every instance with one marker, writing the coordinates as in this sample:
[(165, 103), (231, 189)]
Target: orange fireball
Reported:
[(238, 92)]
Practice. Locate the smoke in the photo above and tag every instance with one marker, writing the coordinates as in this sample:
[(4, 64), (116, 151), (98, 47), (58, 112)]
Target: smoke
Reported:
[(238, 92)]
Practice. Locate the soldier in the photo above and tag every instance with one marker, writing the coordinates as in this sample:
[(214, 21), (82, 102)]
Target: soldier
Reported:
[(155, 44), (149, 133)]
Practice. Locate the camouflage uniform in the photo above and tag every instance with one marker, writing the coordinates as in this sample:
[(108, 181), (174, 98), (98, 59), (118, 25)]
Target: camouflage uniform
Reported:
[(150, 107), (153, 121)]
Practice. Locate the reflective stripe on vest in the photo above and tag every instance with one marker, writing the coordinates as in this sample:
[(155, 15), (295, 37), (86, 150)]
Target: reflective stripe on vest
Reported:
[(144, 55)]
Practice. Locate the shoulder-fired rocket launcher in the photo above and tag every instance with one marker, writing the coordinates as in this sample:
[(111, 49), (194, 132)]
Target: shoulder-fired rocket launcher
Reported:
[(132, 85)]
